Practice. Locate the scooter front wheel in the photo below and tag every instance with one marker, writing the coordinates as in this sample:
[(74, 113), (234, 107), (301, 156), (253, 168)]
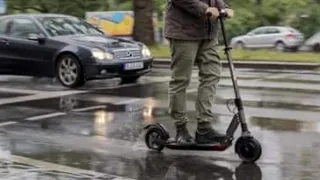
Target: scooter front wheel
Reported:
[(248, 149), (153, 138)]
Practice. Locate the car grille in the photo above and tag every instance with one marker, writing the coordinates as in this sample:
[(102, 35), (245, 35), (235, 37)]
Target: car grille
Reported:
[(127, 54)]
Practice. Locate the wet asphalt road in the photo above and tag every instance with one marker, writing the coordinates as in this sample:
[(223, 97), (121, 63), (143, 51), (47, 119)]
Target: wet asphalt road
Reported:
[(50, 132)]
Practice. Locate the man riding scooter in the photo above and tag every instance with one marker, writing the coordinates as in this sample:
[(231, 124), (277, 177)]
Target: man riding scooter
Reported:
[(192, 35)]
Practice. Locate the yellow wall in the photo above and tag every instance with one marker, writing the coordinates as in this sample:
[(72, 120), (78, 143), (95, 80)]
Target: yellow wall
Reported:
[(123, 28)]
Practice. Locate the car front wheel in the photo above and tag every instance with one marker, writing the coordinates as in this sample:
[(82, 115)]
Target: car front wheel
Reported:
[(240, 45), (69, 71), (280, 46)]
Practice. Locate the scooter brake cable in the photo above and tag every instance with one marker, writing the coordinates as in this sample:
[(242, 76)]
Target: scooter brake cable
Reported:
[(228, 105)]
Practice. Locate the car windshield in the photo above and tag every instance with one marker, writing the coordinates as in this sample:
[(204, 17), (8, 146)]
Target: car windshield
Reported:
[(62, 26)]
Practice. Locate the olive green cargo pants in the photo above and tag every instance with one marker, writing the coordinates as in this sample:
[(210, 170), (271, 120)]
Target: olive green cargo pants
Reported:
[(184, 55)]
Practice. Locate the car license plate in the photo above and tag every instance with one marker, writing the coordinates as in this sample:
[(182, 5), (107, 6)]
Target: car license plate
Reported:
[(132, 66)]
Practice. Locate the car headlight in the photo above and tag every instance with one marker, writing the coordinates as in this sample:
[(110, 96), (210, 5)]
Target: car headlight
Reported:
[(100, 54), (146, 52)]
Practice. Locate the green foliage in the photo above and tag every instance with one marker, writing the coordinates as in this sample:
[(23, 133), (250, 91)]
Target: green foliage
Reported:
[(75, 7), (303, 15)]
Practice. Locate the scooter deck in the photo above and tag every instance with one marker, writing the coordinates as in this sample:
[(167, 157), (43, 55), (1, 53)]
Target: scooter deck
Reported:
[(197, 147)]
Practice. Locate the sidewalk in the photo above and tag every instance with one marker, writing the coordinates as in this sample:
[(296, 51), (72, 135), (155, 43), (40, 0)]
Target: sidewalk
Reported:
[(256, 64)]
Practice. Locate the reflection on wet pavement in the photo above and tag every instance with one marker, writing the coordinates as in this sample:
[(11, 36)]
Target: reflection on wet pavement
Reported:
[(281, 125), (277, 124), (102, 130), (147, 165), (121, 160)]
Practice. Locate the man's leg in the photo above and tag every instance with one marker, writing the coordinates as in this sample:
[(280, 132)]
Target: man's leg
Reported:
[(183, 55), (209, 65)]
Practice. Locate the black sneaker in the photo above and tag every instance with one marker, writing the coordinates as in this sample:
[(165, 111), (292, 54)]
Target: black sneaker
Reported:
[(183, 136), (209, 136)]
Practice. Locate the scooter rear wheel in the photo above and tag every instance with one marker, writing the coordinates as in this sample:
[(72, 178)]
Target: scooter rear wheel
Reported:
[(248, 149), (152, 138)]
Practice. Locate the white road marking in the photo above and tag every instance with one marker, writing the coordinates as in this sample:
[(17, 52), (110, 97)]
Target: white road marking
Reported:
[(276, 113), (45, 116), (89, 108), (269, 85), (21, 91), (145, 80), (102, 98), (192, 90), (7, 123), (61, 168), (129, 101), (43, 95), (56, 114)]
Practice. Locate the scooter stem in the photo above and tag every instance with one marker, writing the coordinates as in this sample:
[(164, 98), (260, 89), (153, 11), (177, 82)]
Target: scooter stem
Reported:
[(231, 66), (238, 100)]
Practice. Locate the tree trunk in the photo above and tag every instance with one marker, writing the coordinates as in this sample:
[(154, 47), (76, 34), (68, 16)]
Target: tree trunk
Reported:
[(143, 25)]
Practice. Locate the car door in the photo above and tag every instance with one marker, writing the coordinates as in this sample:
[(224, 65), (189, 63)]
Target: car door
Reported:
[(256, 38), (273, 34), (6, 65), (24, 47)]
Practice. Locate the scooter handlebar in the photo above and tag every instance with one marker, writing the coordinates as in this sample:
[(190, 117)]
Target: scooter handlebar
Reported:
[(223, 13)]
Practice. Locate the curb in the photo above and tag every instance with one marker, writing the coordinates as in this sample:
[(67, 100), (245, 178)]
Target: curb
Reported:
[(255, 64)]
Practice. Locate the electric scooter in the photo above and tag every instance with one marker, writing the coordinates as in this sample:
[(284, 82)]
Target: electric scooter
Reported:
[(247, 147)]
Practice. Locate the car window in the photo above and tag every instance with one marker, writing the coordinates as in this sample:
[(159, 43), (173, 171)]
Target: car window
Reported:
[(3, 25), (259, 31), (62, 26), (272, 31), (21, 28)]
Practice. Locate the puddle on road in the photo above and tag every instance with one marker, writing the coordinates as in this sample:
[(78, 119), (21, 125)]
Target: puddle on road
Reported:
[(138, 166), (153, 166), (126, 126), (285, 124)]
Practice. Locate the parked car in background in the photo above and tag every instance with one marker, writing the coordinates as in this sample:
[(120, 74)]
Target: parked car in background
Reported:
[(68, 48), (280, 38), (313, 43)]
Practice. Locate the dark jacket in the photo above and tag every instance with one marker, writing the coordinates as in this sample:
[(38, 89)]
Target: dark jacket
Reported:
[(186, 19)]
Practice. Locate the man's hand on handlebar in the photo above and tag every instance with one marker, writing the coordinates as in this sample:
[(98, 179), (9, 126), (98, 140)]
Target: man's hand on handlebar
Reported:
[(230, 13), (214, 12)]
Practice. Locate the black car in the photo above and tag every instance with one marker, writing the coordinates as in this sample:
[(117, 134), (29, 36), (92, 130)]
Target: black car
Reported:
[(68, 48)]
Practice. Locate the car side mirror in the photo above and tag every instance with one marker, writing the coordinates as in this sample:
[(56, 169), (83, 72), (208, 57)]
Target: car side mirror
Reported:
[(33, 37), (250, 34), (36, 37)]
